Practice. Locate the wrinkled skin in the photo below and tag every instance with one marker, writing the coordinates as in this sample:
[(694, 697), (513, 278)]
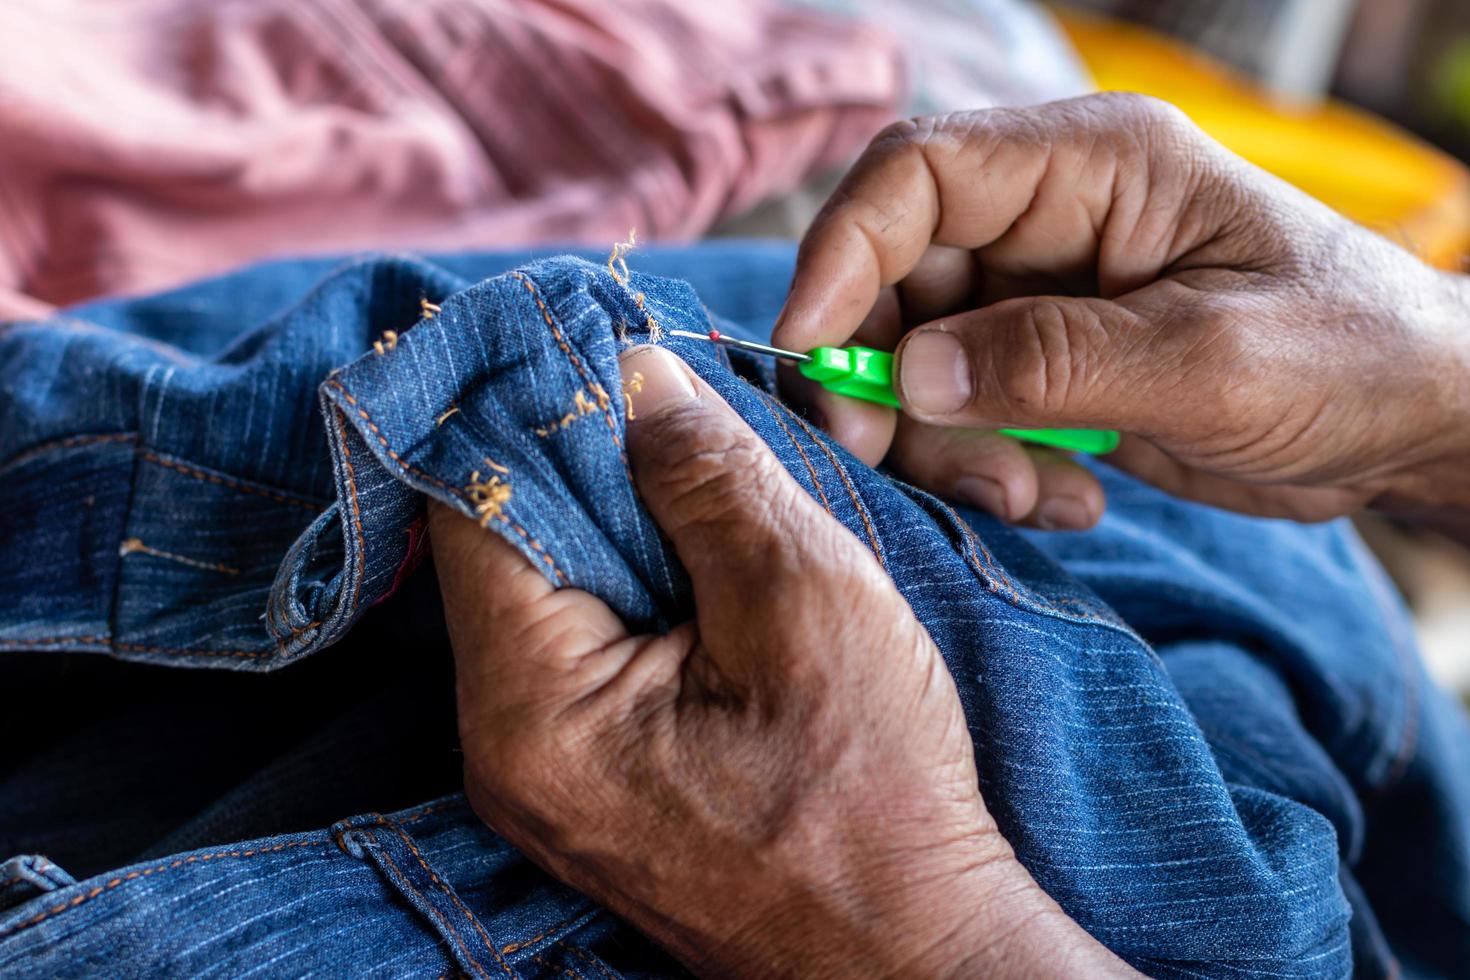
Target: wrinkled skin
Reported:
[(1102, 263), (785, 786)]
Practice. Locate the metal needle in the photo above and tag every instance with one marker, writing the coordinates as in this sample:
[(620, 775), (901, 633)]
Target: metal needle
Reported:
[(750, 345)]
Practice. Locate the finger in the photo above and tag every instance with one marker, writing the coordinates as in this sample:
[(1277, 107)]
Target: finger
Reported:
[(1068, 496), (1052, 181), (515, 636), (1140, 364), (863, 427), (998, 474), (1299, 503), (973, 466), (747, 533), (939, 284)]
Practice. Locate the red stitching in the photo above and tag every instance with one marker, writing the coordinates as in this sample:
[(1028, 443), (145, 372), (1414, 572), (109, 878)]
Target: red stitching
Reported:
[(146, 872), (232, 484)]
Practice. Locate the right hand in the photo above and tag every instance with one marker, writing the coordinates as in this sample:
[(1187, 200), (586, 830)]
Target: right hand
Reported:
[(1101, 263)]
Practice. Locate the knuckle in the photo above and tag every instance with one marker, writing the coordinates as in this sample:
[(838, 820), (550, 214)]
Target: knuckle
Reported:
[(1145, 111), (1045, 357), (711, 473)]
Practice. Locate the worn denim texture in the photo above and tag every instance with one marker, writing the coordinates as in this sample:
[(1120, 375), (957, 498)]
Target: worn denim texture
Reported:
[(1207, 736)]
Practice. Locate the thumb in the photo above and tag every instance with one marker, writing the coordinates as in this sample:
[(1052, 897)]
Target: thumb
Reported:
[(744, 529), (1052, 361)]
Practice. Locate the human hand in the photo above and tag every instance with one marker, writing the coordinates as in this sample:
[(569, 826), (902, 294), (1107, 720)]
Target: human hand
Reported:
[(1101, 263), (785, 785)]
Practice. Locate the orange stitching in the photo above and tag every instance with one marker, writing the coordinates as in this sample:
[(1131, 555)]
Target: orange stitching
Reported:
[(356, 513), (146, 872), (458, 940), (421, 814), (453, 491), (474, 920), (232, 484), (135, 546), (57, 641), (566, 349), (567, 970), (851, 490), (522, 944), (67, 443), (804, 458), (617, 259), (587, 957), (991, 568)]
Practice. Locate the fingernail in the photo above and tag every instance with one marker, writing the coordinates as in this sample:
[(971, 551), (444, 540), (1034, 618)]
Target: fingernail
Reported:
[(934, 374), (654, 380), (986, 494), (1063, 514)]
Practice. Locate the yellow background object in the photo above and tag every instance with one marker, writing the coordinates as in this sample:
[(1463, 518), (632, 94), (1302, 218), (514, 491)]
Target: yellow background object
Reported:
[(1359, 164)]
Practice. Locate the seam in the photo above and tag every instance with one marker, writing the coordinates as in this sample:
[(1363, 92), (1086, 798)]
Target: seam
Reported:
[(405, 883), (147, 872), (56, 641), (135, 546), (361, 562), (70, 442), (989, 568), (451, 490), (576, 362), (586, 957), (767, 399), (522, 944), (232, 484), (851, 491), (474, 920), (566, 969), (421, 814)]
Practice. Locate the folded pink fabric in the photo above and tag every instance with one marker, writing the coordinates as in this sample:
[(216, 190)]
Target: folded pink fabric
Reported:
[(145, 142)]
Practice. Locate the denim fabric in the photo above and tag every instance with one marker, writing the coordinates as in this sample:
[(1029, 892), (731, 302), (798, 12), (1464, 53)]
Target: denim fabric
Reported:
[(1207, 736)]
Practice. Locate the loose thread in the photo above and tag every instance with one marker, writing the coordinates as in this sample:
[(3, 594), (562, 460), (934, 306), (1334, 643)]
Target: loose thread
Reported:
[(488, 496), (617, 266), (135, 546), (631, 387)]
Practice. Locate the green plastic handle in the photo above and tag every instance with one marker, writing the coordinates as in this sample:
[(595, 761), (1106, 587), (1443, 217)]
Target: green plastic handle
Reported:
[(862, 372)]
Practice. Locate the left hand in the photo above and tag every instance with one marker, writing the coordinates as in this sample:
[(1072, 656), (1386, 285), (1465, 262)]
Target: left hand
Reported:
[(785, 785)]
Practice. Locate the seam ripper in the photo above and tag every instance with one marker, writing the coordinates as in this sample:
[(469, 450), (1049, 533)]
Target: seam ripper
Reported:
[(866, 373)]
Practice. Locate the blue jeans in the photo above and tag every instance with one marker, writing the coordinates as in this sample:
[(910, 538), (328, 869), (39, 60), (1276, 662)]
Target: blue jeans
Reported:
[(1207, 736)]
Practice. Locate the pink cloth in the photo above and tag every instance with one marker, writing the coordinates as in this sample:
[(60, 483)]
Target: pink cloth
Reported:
[(146, 142)]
